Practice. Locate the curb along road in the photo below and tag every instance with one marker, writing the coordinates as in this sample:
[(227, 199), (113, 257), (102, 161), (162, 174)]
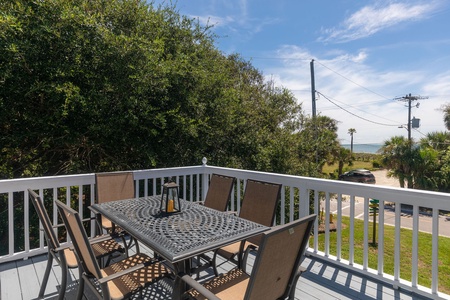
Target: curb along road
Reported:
[(389, 217)]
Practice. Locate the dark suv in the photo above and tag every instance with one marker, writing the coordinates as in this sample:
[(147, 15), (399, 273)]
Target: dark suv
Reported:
[(358, 175)]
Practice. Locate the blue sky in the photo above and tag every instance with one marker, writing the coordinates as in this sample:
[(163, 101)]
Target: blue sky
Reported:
[(367, 53)]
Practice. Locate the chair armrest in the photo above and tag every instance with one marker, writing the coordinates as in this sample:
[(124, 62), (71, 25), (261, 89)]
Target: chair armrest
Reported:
[(56, 226), (92, 241), (62, 225), (245, 255), (61, 248), (198, 287), (124, 272), (100, 238), (121, 273)]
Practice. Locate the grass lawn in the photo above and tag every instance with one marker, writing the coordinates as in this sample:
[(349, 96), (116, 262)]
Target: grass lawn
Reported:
[(356, 165), (424, 274)]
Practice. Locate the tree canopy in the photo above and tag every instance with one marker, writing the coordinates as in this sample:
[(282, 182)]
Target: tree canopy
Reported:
[(93, 85), (420, 166)]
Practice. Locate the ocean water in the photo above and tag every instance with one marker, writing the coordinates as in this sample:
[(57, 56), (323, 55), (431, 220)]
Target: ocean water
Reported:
[(363, 148)]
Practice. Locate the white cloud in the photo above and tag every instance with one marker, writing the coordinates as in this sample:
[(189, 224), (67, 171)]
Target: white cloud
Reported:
[(216, 21), (372, 19), (364, 91), (236, 17)]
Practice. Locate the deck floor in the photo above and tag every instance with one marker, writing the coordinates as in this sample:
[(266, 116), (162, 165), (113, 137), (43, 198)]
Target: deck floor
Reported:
[(20, 280)]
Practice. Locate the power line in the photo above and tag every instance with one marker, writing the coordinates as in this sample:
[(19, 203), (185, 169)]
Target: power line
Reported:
[(356, 107), (348, 79), (353, 114)]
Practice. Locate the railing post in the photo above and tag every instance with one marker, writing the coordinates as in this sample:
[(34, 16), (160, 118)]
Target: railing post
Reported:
[(205, 179), (303, 206)]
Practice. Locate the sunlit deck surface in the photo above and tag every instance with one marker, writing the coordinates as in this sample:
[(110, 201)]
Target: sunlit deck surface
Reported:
[(22, 279)]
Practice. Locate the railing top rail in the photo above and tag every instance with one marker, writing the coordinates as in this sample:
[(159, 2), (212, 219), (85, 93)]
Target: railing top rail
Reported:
[(391, 194), (20, 184), (386, 193)]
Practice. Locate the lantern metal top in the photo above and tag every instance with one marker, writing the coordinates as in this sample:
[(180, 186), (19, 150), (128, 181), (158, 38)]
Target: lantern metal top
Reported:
[(170, 184)]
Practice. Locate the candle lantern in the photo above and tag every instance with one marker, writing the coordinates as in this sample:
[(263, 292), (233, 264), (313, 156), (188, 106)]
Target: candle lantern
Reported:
[(170, 202)]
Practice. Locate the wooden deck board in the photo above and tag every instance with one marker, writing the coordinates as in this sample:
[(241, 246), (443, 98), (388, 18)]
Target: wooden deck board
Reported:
[(21, 280), (9, 281), (28, 277), (40, 264)]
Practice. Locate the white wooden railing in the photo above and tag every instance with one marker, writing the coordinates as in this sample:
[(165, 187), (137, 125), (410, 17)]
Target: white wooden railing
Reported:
[(299, 194)]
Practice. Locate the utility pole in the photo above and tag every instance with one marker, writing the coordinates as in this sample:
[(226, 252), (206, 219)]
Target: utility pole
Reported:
[(409, 99), (313, 90), (313, 98)]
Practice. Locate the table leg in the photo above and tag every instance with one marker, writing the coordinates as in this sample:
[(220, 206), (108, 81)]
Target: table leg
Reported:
[(179, 286), (98, 227)]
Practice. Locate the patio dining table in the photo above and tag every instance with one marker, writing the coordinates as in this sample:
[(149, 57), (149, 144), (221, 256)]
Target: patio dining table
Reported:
[(179, 236)]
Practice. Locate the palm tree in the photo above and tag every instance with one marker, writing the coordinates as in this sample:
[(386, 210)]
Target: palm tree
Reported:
[(436, 140), (398, 156), (351, 131), (447, 116), (345, 157), (432, 173)]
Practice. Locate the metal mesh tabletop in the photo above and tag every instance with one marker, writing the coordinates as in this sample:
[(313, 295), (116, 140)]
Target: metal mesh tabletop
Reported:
[(194, 230)]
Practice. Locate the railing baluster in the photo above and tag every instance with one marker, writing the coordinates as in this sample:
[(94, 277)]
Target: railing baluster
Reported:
[(380, 237), (26, 215), (291, 203), (327, 224), (435, 252), (154, 186), (283, 207), (305, 195), (191, 185), (41, 231), (80, 202), (351, 256), (184, 187), (339, 228), (92, 201), (415, 243), (146, 183), (398, 226), (366, 235), (11, 223)]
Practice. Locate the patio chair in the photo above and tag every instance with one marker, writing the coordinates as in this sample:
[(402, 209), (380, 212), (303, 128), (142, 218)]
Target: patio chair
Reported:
[(217, 197), (104, 246), (219, 192), (258, 205), (110, 187), (275, 273), (117, 281)]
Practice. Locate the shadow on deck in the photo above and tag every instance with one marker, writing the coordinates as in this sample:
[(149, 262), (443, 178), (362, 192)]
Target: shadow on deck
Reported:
[(21, 280)]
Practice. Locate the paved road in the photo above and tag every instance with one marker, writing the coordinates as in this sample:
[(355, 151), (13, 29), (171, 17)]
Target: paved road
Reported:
[(425, 222)]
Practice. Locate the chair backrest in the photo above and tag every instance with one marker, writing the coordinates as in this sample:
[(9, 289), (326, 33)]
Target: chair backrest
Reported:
[(260, 201), (50, 235), (80, 241), (260, 204), (219, 191), (277, 263), (114, 186)]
